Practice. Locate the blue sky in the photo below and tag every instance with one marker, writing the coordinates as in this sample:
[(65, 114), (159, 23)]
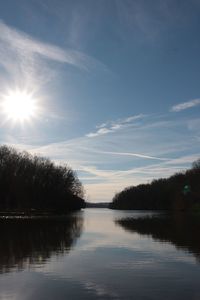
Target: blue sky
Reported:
[(116, 85)]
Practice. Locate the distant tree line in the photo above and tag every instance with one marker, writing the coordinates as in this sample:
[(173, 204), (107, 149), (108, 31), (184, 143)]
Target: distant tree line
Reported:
[(31, 183), (179, 192)]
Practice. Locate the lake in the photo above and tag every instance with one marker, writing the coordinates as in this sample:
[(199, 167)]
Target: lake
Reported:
[(100, 254)]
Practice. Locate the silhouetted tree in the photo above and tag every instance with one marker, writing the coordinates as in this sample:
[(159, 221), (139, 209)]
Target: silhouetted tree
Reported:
[(196, 164), (181, 191), (29, 183)]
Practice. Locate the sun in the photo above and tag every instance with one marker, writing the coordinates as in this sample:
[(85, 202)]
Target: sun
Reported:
[(19, 106)]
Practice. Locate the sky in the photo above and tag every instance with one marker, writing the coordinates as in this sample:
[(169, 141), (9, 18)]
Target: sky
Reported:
[(115, 86)]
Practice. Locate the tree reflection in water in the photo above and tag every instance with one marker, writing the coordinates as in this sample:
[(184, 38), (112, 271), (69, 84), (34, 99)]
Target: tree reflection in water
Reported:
[(30, 241), (181, 230)]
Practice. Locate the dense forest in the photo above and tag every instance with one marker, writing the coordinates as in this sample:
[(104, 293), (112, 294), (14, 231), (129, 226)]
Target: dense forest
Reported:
[(33, 184), (178, 192)]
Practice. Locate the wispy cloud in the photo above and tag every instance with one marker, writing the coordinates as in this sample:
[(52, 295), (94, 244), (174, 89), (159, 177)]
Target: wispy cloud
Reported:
[(185, 105), (112, 126), (25, 57), (150, 21), (112, 181), (137, 153)]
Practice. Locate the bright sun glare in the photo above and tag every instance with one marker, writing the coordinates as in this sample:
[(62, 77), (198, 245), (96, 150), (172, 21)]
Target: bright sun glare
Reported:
[(19, 106)]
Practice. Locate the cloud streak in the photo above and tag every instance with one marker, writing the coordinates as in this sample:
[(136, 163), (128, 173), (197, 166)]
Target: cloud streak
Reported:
[(25, 57), (112, 126), (135, 155), (140, 151), (185, 105)]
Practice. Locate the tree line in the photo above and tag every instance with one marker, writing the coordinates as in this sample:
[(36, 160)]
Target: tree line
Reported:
[(181, 191), (29, 183)]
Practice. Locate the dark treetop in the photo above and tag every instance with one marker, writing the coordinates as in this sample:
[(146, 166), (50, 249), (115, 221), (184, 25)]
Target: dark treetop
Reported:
[(33, 184), (178, 192)]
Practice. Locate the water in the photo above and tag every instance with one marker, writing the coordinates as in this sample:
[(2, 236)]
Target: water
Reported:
[(100, 254)]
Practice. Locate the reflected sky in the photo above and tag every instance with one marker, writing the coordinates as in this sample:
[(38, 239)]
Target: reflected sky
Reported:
[(110, 261)]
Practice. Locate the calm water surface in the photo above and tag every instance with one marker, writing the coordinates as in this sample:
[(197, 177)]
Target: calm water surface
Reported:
[(101, 254)]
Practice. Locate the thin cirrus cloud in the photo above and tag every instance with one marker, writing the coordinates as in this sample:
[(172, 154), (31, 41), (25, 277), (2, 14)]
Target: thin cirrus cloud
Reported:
[(114, 181), (135, 155), (142, 150), (112, 126), (185, 105), (151, 21), (23, 56)]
